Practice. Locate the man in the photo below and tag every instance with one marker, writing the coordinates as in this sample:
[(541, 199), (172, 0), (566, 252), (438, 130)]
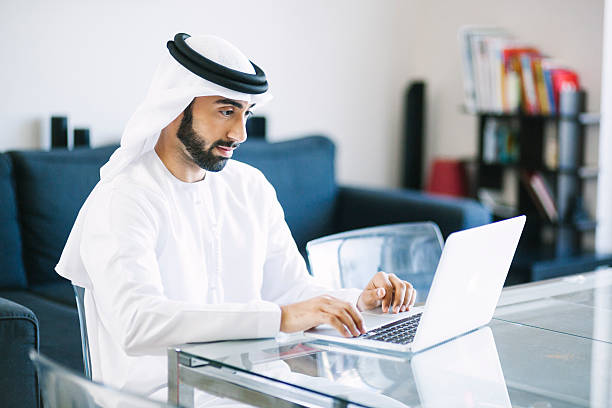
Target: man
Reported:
[(177, 243)]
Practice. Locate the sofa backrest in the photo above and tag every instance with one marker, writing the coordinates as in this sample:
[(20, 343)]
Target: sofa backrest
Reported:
[(51, 188), (12, 272), (302, 172)]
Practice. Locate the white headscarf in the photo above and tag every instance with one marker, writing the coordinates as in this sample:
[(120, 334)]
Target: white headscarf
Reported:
[(172, 90)]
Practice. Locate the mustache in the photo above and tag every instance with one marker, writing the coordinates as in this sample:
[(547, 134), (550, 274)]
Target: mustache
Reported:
[(231, 145)]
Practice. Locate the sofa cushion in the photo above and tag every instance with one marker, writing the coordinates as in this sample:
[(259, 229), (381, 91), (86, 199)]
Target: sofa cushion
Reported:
[(51, 188), (302, 172), (12, 273), (58, 327), (18, 335)]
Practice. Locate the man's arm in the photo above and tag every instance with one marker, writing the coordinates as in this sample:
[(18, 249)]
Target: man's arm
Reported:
[(306, 304), (286, 278), (118, 250)]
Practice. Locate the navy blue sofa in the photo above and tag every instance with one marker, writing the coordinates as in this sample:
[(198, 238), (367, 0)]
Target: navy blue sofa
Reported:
[(42, 191)]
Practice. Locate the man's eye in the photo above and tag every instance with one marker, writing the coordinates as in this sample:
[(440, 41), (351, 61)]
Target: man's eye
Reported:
[(248, 114), (227, 112)]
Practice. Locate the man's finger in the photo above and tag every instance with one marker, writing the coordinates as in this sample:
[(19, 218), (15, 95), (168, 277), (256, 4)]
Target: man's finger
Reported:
[(357, 318), (337, 324), (399, 291), (385, 283), (349, 322), (406, 302), (412, 298), (372, 298)]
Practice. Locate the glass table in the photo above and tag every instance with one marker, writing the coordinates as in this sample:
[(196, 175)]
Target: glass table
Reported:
[(548, 346), (579, 305)]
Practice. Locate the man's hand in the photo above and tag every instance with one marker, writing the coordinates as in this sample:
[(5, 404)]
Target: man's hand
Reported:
[(341, 315), (388, 291)]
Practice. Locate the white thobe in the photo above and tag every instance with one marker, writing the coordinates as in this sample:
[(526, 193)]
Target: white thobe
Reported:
[(173, 262)]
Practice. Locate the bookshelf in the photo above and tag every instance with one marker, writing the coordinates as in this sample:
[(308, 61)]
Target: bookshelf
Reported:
[(552, 242), (531, 141)]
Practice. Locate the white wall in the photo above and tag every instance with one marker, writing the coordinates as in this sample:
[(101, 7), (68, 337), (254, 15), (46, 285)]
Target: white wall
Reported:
[(335, 67), (94, 60), (568, 30)]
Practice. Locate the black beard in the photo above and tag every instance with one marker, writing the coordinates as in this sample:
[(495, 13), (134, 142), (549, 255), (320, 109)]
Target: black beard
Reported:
[(203, 157)]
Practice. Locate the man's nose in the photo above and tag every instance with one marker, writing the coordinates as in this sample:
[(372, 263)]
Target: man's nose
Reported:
[(238, 131)]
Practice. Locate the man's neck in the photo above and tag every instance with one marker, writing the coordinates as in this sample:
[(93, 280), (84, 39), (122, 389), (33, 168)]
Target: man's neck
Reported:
[(178, 164)]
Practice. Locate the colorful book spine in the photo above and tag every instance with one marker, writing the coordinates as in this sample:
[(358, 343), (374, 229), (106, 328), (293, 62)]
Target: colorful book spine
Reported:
[(531, 97), (541, 194), (550, 94), (503, 75), (540, 84)]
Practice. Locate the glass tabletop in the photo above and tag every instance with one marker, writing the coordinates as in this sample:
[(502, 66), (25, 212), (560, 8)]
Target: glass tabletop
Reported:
[(502, 365), (549, 345), (579, 305)]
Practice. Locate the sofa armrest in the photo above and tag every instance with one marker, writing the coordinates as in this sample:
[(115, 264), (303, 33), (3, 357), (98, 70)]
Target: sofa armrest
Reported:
[(361, 207), (18, 335)]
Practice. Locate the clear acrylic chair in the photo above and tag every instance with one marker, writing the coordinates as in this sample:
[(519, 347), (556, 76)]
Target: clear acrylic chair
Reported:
[(62, 388), (350, 259), (79, 295)]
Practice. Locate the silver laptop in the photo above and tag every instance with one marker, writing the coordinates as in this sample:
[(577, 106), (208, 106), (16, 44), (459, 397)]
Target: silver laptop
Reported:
[(463, 296)]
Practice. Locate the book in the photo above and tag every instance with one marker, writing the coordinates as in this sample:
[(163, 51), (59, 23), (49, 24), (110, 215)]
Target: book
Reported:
[(540, 85), (529, 87), (496, 67), (500, 144), (541, 193), (547, 74), (495, 202), (480, 57), (469, 90), (517, 58), (503, 75)]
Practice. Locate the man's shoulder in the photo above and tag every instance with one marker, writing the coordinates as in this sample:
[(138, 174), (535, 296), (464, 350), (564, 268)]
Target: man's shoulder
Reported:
[(140, 174), (137, 182)]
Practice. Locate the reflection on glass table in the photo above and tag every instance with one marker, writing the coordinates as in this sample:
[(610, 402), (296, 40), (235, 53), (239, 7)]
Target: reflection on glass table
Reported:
[(518, 366), (467, 367), (579, 305)]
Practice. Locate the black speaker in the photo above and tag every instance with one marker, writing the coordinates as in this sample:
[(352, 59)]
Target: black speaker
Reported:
[(414, 126), (59, 132), (256, 127), (81, 137)]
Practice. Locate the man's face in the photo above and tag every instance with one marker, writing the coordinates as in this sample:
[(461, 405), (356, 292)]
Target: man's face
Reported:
[(211, 128)]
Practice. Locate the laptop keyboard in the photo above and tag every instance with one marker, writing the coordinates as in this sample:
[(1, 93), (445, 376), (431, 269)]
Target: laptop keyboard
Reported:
[(398, 332)]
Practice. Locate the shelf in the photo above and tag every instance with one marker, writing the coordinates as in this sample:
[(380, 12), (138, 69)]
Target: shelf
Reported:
[(578, 225), (503, 211), (524, 142), (585, 118), (589, 118), (582, 225), (582, 172)]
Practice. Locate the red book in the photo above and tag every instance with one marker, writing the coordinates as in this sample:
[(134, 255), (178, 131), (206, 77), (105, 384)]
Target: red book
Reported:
[(563, 79), (541, 193)]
